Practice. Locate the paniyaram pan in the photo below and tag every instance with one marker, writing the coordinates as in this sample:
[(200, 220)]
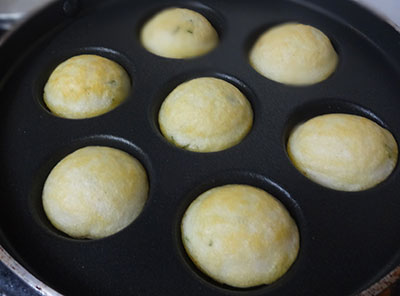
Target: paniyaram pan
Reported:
[(349, 241)]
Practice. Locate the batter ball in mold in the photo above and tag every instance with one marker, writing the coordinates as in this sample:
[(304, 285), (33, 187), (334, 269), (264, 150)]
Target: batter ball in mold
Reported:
[(205, 115), (86, 86), (240, 235), (179, 33), (343, 151), (294, 54), (95, 192)]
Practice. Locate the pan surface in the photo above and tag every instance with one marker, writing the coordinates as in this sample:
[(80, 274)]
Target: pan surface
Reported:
[(349, 240)]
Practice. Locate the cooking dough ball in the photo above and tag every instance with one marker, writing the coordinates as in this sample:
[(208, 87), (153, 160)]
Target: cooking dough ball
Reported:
[(294, 54), (179, 33), (240, 235), (343, 152), (86, 86), (205, 114), (95, 192)]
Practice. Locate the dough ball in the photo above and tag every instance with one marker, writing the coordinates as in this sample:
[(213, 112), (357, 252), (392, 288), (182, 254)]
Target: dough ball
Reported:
[(240, 235), (94, 192), (343, 152), (294, 54), (205, 115), (86, 86), (178, 33)]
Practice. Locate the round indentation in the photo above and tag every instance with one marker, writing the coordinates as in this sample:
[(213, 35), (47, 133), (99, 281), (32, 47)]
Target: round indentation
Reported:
[(221, 215), (178, 33), (85, 83), (205, 114), (294, 54), (92, 189), (342, 151)]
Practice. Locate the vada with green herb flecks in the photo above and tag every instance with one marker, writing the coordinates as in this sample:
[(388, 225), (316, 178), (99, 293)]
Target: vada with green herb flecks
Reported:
[(178, 33), (85, 86), (343, 151), (95, 192), (240, 235), (294, 54), (205, 114)]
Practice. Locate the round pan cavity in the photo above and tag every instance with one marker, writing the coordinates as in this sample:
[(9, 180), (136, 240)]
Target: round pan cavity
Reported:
[(349, 241), (258, 181)]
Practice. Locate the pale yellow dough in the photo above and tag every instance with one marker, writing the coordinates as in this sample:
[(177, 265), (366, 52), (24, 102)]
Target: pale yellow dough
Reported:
[(178, 33), (240, 235), (294, 54), (205, 115), (86, 86), (95, 192), (343, 152)]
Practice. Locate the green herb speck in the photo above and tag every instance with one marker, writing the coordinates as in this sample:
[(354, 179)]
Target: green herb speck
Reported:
[(176, 30), (388, 151)]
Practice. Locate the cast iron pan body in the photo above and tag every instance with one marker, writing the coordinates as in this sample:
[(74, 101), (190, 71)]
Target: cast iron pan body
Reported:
[(348, 240)]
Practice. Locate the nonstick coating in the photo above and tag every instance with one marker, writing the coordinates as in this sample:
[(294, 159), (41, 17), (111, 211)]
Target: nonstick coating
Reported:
[(348, 240)]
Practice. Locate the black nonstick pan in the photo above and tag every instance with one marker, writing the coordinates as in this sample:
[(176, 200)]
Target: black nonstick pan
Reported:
[(349, 240)]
